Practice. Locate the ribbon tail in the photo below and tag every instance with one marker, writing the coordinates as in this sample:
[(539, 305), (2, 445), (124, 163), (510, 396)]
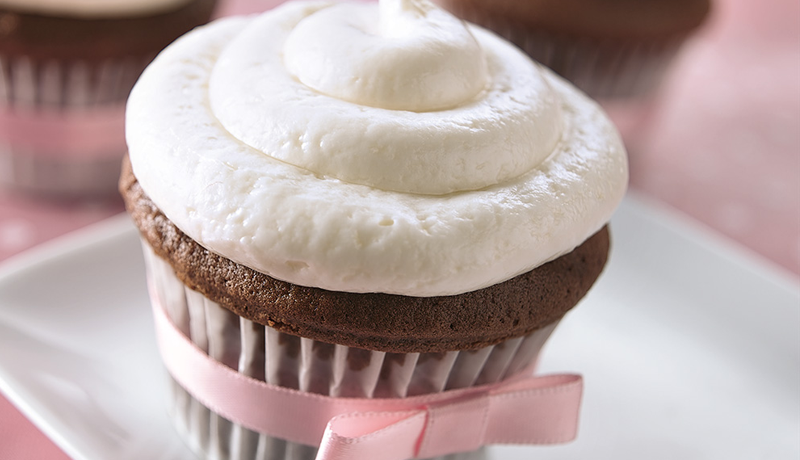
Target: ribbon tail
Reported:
[(546, 414), (533, 410), (373, 436)]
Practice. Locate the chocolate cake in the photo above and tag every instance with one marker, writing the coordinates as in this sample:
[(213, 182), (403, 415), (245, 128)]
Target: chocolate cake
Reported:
[(374, 321)]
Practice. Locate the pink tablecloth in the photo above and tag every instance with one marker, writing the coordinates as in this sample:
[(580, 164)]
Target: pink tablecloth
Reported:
[(721, 143)]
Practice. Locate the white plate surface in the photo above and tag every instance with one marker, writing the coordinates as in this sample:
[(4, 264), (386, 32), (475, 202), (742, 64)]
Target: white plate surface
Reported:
[(690, 349)]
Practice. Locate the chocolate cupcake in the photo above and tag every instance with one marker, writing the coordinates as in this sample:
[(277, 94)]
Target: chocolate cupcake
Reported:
[(607, 48), (66, 69), (406, 216)]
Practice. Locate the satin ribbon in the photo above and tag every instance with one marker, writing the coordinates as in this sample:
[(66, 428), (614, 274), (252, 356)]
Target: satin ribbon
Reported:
[(85, 133), (520, 410)]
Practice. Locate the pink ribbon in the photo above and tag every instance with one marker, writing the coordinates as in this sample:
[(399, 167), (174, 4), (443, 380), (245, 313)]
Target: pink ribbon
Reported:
[(92, 132), (520, 410)]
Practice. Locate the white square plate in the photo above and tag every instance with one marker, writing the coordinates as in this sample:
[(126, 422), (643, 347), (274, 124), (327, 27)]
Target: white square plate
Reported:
[(690, 349)]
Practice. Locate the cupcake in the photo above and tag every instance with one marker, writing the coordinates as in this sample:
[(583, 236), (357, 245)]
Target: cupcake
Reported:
[(607, 48), (346, 207), (66, 69)]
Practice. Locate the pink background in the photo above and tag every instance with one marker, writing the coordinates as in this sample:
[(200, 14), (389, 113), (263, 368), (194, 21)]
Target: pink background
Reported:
[(720, 143)]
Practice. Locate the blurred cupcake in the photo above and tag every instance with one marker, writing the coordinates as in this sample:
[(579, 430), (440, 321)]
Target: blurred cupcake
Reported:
[(396, 218), (607, 48), (66, 69)]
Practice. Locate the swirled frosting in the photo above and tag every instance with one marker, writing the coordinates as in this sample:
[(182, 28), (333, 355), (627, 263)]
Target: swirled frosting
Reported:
[(92, 8), (371, 148)]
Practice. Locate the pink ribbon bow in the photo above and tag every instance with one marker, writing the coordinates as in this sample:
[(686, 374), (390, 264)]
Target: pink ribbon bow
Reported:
[(519, 410)]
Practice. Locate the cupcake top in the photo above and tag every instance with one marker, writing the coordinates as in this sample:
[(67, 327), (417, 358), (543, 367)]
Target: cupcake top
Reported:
[(130, 31), (371, 148), (92, 8)]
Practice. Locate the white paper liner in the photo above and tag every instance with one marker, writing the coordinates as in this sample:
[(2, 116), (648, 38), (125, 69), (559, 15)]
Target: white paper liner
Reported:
[(68, 84), (309, 365), (60, 87)]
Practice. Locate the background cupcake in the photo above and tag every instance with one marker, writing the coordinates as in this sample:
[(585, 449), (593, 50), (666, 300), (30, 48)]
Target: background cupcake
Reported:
[(418, 229), (608, 48), (66, 69)]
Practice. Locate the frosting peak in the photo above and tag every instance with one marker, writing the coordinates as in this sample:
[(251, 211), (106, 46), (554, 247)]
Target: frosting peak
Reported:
[(312, 86), (412, 56)]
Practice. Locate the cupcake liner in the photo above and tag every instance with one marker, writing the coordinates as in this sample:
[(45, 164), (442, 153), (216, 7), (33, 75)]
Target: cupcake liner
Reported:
[(602, 68), (309, 365), (67, 84), (62, 124)]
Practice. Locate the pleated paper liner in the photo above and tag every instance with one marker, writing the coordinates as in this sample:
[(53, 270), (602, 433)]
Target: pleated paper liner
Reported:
[(309, 365), (62, 124)]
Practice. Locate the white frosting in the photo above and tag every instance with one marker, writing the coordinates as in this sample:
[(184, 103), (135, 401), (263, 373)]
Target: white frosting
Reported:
[(422, 59), (481, 142), (247, 136), (92, 8)]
